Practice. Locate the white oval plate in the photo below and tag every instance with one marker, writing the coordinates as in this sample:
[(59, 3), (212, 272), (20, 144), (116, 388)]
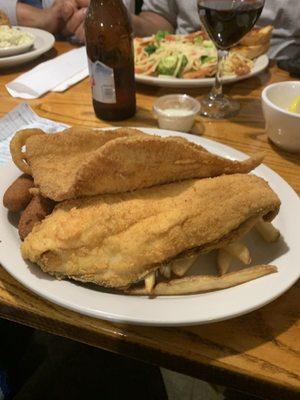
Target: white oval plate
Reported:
[(260, 64), (43, 42), (175, 310)]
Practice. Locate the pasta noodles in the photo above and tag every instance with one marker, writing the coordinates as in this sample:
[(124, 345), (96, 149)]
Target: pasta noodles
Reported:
[(184, 56)]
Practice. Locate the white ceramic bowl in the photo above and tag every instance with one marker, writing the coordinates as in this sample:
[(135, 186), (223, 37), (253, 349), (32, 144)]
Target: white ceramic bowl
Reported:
[(282, 126)]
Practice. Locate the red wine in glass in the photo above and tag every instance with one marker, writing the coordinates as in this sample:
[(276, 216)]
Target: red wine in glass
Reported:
[(226, 22)]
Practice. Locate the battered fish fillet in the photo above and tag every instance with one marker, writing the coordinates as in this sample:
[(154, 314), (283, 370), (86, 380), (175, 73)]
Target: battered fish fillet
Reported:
[(116, 240), (80, 162)]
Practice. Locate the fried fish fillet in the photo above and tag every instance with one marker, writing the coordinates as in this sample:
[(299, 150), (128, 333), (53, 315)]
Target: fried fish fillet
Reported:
[(80, 162), (116, 240)]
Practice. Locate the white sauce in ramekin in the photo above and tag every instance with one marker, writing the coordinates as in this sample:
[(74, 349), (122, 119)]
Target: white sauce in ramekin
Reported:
[(178, 119)]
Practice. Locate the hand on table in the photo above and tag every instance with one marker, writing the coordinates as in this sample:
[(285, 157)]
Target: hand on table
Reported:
[(64, 16), (73, 13)]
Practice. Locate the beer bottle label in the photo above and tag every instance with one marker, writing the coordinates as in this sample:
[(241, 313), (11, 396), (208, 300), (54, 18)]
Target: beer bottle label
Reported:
[(102, 82)]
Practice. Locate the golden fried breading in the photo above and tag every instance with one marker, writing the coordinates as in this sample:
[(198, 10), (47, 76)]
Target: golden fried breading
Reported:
[(4, 20), (116, 240), (35, 212), (257, 36), (204, 283), (255, 43), (84, 163), (72, 145), (17, 196), (251, 51)]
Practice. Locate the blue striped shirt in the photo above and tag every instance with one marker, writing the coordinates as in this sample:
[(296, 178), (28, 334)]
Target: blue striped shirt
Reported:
[(35, 3)]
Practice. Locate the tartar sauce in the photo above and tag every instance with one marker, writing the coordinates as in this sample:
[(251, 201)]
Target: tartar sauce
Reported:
[(177, 119), (176, 112)]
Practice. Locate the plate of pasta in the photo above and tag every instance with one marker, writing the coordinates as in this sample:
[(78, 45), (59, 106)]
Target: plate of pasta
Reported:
[(190, 60)]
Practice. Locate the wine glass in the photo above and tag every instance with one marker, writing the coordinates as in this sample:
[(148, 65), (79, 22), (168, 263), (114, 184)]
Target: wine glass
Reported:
[(226, 22)]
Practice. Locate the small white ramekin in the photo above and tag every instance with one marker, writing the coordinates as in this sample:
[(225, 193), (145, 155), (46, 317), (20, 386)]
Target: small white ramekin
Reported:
[(282, 126), (176, 122)]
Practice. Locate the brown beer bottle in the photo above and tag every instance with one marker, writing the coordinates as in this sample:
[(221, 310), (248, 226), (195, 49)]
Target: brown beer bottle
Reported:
[(109, 44)]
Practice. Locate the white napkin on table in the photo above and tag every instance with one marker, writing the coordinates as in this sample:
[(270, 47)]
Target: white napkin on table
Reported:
[(23, 117), (53, 75)]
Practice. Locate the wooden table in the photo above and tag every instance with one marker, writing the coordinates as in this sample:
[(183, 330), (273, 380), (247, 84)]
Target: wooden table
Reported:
[(257, 353)]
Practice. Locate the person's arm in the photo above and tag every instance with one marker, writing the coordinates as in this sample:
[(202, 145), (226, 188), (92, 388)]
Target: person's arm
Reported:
[(156, 15), (147, 23), (144, 24), (49, 19)]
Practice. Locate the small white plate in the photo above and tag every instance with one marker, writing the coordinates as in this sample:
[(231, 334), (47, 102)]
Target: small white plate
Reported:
[(175, 310), (43, 41), (260, 64)]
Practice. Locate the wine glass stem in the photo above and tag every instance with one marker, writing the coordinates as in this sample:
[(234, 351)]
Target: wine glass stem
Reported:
[(217, 89)]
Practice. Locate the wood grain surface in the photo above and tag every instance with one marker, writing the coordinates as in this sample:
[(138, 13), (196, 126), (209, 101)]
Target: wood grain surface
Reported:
[(257, 353)]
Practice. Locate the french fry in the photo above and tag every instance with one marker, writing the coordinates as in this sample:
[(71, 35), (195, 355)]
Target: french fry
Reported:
[(198, 283), (165, 270), (150, 282), (181, 265), (223, 261), (267, 231), (239, 251)]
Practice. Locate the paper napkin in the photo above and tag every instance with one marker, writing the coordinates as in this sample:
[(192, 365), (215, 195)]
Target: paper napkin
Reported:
[(57, 75), (22, 117)]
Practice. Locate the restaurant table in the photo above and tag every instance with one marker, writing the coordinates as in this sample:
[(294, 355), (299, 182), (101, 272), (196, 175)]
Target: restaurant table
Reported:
[(257, 353)]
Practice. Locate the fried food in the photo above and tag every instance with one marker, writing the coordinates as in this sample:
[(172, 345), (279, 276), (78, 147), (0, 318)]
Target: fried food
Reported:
[(223, 261), (4, 20), (150, 282), (165, 270), (255, 43), (17, 195), (251, 51), (267, 231), (81, 162), (73, 143), (119, 239), (180, 266), (35, 212), (257, 36), (240, 251), (203, 283)]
